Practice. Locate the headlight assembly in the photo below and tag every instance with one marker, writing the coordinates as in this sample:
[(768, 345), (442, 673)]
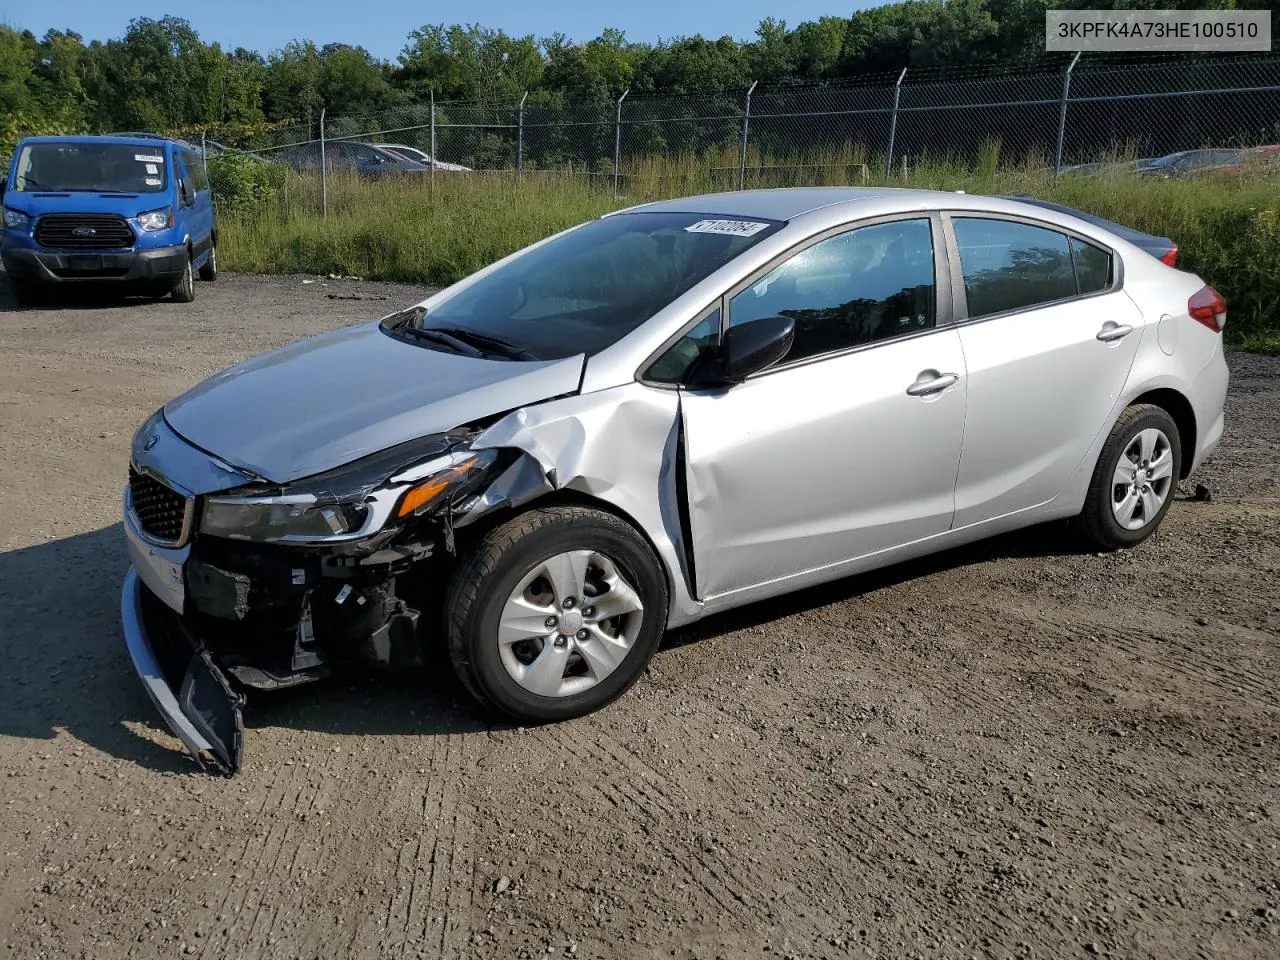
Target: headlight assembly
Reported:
[(154, 220), (321, 511), (16, 219)]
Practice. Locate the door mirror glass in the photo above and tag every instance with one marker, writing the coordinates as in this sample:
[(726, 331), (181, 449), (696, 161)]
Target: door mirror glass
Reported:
[(4, 185), (751, 347), (184, 190)]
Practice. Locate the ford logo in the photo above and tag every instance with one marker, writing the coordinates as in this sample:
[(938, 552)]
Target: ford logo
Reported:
[(151, 441), (84, 232)]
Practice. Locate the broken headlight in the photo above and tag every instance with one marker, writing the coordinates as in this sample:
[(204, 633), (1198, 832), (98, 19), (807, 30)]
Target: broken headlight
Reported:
[(334, 507), (296, 517)]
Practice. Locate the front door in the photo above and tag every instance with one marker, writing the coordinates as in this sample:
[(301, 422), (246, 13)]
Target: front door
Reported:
[(850, 445)]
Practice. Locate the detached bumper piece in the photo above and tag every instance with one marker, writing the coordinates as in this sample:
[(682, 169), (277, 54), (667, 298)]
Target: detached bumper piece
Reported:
[(187, 687)]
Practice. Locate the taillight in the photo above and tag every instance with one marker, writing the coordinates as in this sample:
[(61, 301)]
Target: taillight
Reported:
[(1208, 307), (1171, 258)]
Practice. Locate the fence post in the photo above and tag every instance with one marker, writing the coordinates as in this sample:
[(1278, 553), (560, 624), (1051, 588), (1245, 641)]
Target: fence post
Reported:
[(893, 124), (617, 142), (204, 154), (742, 155), (324, 171), (1062, 114), (432, 184), (520, 134)]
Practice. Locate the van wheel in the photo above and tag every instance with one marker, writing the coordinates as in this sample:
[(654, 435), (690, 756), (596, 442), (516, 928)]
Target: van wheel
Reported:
[(209, 271), (185, 289), (555, 613), (1134, 481)]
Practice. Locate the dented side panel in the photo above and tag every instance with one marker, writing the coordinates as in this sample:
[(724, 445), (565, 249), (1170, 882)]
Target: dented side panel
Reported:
[(618, 446)]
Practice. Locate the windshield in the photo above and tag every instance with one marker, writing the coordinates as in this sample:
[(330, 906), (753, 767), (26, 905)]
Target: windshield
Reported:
[(90, 166), (587, 289)]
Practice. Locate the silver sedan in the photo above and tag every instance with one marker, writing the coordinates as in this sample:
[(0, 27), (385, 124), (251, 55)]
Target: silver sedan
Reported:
[(667, 412)]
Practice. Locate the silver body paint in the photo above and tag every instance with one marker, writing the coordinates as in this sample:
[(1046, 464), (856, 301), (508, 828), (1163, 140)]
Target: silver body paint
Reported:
[(803, 473)]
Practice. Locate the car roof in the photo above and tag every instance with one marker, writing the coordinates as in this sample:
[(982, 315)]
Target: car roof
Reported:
[(124, 141), (782, 203)]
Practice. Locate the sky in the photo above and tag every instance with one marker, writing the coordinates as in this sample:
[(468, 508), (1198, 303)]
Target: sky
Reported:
[(383, 26)]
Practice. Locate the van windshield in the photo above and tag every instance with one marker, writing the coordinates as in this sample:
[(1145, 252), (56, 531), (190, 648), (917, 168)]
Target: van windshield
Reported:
[(91, 167)]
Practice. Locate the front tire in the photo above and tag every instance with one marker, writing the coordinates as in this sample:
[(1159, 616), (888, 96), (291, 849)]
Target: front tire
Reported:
[(184, 291), (209, 272), (1135, 479), (555, 613)]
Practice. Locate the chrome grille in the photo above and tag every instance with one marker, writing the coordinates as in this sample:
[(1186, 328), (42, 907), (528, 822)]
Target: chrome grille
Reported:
[(83, 231), (162, 512)]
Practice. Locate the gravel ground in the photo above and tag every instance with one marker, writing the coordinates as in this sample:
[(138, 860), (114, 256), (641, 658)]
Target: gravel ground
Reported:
[(1010, 750)]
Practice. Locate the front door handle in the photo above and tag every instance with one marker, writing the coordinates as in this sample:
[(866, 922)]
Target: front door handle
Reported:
[(930, 382), (1114, 331)]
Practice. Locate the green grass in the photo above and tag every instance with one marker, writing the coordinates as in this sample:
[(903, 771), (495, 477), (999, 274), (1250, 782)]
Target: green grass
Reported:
[(1227, 229), (1268, 343)]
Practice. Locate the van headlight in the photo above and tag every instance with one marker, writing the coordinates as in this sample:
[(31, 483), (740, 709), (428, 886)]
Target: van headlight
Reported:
[(154, 220), (297, 514), (15, 219)]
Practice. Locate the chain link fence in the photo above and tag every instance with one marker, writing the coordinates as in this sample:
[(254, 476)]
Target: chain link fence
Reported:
[(774, 136)]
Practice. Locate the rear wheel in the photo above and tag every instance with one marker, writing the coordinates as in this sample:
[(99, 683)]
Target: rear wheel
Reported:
[(184, 291), (1134, 481), (555, 613), (209, 271)]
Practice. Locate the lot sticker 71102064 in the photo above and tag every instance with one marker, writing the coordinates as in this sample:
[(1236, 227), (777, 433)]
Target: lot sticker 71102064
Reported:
[(732, 228)]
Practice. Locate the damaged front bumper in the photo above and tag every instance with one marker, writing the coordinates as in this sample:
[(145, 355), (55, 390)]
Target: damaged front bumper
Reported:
[(188, 689)]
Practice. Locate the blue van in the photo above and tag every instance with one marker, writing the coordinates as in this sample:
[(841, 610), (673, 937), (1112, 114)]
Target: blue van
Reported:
[(122, 210)]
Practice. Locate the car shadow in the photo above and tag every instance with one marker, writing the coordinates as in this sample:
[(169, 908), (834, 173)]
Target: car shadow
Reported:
[(1047, 540), (67, 669)]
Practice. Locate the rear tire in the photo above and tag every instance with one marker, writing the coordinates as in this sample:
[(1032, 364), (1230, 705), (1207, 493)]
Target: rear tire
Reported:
[(543, 572), (1134, 481), (209, 272), (184, 291)]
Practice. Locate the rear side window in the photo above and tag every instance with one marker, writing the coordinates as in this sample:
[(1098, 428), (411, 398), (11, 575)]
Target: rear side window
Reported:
[(1012, 266), (1093, 266)]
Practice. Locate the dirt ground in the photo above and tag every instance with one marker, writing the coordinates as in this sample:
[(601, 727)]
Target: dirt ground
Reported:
[(1010, 750)]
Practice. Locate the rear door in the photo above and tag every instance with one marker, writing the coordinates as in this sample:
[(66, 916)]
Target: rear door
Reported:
[(1048, 337)]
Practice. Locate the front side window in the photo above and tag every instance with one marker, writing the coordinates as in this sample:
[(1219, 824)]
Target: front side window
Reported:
[(585, 290), (868, 284), (1012, 266), (90, 167), (678, 360)]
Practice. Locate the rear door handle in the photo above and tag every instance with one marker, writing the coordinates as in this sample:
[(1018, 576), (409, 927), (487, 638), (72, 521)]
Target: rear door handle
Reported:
[(1114, 331), (930, 382)]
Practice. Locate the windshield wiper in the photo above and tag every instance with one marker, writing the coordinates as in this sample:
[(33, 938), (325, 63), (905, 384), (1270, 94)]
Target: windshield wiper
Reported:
[(440, 336), (491, 344)]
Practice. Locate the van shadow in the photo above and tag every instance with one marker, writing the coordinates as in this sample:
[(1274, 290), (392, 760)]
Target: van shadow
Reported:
[(82, 296), (67, 668)]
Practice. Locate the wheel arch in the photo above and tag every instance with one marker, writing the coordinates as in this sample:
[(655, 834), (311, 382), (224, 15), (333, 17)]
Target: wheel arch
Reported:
[(568, 497), (1179, 408)]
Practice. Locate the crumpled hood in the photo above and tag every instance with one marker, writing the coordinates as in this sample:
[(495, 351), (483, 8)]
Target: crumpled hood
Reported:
[(322, 402)]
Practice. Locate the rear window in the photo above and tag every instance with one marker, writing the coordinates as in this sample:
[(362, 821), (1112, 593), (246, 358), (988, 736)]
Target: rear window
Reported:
[(91, 167)]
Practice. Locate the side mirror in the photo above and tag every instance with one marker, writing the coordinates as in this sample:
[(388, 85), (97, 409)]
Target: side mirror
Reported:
[(184, 189), (747, 349), (4, 185)]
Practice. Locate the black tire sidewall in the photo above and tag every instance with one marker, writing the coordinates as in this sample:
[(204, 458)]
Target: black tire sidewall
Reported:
[(1120, 439), (184, 291), (635, 562), (209, 272)]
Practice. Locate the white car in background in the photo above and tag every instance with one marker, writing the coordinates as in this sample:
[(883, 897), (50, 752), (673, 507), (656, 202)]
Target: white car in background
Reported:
[(421, 156)]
